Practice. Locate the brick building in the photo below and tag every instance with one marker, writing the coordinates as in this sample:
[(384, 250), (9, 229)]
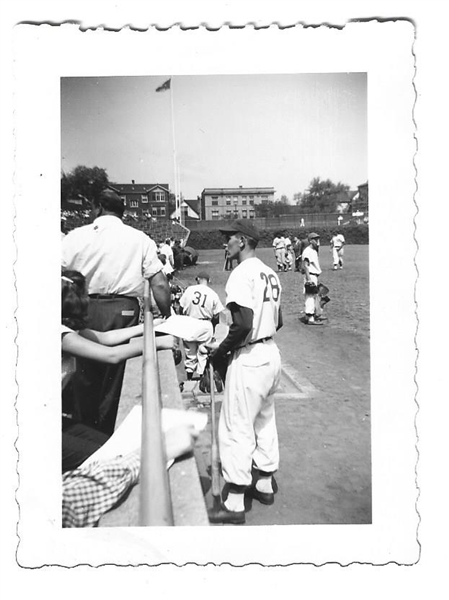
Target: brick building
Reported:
[(233, 203), (144, 199)]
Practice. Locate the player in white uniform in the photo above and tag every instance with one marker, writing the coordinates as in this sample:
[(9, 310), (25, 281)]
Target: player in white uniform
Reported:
[(200, 302), (312, 271), (337, 243), (247, 428)]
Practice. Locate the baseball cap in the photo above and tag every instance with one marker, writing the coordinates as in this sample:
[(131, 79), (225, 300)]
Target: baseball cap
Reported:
[(241, 226), (313, 235), (203, 275)]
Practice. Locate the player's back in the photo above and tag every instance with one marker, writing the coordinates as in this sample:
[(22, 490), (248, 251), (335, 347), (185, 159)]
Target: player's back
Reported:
[(200, 301)]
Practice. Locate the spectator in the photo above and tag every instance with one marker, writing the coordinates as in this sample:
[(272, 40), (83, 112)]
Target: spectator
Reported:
[(115, 259), (79, 441)]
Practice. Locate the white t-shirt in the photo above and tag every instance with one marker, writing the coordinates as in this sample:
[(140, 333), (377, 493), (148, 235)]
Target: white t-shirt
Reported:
[(113, 257), (312, 256), (201, 302), (254, 285)]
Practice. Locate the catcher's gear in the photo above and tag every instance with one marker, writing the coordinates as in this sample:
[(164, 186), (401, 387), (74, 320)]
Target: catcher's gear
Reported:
[(311, 288)]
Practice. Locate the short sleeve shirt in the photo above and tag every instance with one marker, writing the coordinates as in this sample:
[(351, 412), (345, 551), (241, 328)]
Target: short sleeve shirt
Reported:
[(113, 257), (201, 302), (254, 285), (312, 256)]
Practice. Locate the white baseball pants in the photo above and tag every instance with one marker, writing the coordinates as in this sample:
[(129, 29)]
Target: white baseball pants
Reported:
[(312, 304), (247, 428)]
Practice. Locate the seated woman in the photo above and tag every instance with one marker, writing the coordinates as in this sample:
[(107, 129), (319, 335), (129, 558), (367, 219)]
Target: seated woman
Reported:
[(78, 440)]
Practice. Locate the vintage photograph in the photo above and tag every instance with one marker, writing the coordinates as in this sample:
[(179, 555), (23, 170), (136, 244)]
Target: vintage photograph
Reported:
[(215, 300), (216, 313)]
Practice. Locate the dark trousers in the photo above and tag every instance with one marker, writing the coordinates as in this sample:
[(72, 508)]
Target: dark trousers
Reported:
[(78, 443), (97, 385)]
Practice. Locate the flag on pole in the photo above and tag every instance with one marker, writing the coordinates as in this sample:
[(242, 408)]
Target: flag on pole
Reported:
[(164, 86)]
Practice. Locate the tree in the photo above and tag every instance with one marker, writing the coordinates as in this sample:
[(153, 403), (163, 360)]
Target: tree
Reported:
[(323, 196), (83, 183)]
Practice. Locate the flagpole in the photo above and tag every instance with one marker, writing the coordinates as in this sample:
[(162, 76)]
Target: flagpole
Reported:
[(175, 166)]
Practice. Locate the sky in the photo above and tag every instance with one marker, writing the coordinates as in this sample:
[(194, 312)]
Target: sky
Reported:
[(276, 131)]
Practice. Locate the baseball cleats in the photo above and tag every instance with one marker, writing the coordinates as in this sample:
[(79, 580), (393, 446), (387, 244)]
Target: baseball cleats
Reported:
[(227, 517), (263, 497)]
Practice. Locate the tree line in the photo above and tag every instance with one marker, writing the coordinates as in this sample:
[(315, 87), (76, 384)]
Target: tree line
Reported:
[(322, 195)]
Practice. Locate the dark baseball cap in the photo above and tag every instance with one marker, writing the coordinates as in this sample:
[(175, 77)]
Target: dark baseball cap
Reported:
[(313, 236), (242, 226), (203, 275)]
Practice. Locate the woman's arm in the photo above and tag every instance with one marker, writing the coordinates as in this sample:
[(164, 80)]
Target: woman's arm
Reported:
[(113, 337), (76, 345), (80, 346)]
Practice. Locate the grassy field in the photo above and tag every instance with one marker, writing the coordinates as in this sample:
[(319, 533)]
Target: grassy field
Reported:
[(349, 287)]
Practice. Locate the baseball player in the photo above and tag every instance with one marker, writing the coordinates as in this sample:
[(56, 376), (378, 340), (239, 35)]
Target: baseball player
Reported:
[(312, 270), (279, 252), (201, 302), (337, 243), (247, 428)]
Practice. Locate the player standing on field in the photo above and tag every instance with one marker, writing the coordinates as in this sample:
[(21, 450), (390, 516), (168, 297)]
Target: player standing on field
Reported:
[(247, 429), (337, 243), (200, 302)]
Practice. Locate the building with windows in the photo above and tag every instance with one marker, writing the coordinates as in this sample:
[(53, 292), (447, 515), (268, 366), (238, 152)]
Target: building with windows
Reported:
[(144, 199), (190, 210), (233, 203)]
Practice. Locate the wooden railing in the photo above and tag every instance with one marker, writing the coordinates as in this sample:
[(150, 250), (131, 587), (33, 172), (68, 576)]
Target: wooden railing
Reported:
[(155, 502)]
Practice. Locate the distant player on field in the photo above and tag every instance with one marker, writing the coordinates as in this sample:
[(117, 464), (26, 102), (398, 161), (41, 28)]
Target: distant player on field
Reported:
[(337, 243)]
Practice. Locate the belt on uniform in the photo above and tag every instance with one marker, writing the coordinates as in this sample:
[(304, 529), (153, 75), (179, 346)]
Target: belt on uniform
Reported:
[(109, 296), (265, 339)]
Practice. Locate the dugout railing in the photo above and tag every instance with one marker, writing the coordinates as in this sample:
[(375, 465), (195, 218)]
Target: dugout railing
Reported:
[(161, 497)]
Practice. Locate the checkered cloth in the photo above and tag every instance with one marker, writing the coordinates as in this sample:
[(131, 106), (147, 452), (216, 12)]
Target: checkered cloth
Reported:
[(90, 491)]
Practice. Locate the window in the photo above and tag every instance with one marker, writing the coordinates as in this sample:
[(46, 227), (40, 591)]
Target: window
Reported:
[(244, 214), (144, 197), (154, 211), (123, 199), (214, 197), (228, 211), (251, 202), (228, 203), (244, 202), (214, 202), (215, 214), (251, 214), (134, 204), (159, 196), (236, 201), (162, 211)]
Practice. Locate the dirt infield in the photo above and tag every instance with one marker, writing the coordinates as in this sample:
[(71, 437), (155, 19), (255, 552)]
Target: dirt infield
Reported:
[(324, 432)]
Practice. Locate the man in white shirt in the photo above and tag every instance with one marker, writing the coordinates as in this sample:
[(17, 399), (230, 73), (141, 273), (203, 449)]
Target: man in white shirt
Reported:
[(115, 260), (200, 302), (312, 270), (337, 243)]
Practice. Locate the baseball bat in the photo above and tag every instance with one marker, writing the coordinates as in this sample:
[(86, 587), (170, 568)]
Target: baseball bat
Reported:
[(215, 471)]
